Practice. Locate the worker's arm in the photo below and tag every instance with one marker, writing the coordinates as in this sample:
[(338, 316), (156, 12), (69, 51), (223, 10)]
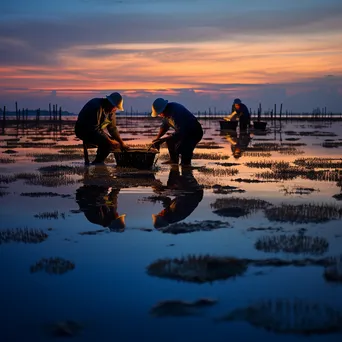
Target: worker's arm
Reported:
[(164, 127), (114, 132), (232, 117), (162, 131)]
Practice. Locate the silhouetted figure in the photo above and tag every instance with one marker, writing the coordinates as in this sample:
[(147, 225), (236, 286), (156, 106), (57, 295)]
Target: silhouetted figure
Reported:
[(188, 130), (188, 194), (97, 115), (99, 204)]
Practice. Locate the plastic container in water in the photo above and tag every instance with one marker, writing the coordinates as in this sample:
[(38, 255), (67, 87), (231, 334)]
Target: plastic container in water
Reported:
[(142, 159), (231, 125), (260, 125)]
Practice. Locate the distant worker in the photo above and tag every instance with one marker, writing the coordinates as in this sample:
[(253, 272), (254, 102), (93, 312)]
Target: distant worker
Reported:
[(240, 112), (188, 130), (96, 115)]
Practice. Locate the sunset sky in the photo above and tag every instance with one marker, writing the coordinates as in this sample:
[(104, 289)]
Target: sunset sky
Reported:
[(202, 53)]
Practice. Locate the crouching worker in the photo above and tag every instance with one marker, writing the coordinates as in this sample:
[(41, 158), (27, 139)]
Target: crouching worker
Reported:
[(188, 131), (96, 115)]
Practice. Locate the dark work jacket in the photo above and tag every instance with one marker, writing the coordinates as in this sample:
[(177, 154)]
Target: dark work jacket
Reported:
[(93, 119), (180, 119), (243, 112)]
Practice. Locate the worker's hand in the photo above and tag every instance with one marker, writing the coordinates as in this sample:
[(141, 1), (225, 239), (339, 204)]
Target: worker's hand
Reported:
[(124, 147), (114, 144), (154, 145)]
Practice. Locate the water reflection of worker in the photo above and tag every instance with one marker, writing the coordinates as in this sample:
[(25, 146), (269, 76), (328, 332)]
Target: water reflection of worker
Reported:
[(99, 203), (238, 143), (188, 194)]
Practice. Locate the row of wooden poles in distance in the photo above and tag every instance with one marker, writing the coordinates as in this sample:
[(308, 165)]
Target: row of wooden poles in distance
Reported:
[(272, 114), (55, 113)]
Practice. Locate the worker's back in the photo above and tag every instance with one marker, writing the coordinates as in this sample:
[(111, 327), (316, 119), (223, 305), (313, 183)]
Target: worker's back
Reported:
[(179, 117)]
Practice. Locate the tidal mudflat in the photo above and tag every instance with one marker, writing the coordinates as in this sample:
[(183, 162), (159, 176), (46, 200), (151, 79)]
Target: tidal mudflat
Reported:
[(245, 245)]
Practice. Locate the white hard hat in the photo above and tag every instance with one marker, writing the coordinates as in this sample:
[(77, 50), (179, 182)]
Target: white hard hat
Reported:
[(116, 100), (158, 106)]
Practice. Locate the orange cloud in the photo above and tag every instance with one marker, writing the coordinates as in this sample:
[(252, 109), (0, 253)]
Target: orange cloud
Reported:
[(155, 66)]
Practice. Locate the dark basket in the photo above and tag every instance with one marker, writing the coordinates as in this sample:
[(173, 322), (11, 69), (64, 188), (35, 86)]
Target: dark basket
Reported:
[(228, 124), (138, 158), (259, 125)]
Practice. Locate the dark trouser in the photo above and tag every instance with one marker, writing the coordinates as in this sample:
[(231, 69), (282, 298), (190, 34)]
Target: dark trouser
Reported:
[(184, 145), (104, 147), (244, 123)]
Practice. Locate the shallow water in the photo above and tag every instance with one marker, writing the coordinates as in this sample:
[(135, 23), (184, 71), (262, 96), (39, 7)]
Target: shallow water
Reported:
[(110, 292)]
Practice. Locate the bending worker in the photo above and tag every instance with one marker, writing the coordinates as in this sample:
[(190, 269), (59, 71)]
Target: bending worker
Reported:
[(240, 112), (96, 115), (188, 131)]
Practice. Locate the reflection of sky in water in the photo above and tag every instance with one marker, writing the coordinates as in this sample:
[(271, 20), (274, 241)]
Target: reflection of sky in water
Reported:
[(109, 290)]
